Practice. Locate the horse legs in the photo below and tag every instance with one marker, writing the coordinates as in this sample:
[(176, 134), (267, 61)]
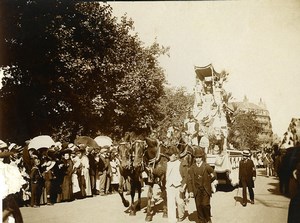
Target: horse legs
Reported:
[(132, 194), (149, 198), (138, 206), (121, 190), (135, 185), (164, 197)]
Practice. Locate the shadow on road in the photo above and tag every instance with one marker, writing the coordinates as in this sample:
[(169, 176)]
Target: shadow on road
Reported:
[(225, 187), (274, 189), (156, 208), (238, 200), (261, 172)]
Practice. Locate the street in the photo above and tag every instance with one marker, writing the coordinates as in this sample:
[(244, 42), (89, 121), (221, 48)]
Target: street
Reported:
[(270, 206)]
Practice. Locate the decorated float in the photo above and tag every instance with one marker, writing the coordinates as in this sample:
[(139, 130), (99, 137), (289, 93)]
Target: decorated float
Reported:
[(206, 124)]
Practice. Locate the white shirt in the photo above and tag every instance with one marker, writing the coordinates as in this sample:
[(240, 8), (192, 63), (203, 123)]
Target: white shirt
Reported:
[(173, 176)]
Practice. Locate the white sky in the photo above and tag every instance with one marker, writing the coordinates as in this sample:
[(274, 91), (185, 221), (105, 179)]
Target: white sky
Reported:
[(257, 42)]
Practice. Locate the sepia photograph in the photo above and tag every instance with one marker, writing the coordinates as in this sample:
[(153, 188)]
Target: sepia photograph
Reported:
[(150, 111)]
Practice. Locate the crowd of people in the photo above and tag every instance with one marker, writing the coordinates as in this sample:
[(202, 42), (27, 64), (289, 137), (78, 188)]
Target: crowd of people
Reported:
[(61, 173)]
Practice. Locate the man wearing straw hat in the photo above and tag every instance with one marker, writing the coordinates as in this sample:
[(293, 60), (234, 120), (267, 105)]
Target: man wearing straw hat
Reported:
[(247, 176)]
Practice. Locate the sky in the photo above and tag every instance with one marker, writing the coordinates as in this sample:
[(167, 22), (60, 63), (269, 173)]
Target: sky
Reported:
[(256, 42)]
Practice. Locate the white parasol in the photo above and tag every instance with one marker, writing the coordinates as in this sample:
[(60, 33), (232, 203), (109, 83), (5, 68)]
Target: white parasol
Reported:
[(42, 141), (103, 141)]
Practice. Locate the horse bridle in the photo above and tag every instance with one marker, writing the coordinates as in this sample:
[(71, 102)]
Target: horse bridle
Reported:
[(133, 153), (185, 152), (128, 155)]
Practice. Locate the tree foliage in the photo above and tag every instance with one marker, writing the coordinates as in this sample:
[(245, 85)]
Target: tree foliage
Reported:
[(244, 130), (75, 69), (174, 107)]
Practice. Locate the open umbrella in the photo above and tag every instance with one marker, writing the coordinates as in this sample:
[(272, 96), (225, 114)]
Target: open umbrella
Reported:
[(86, 140), (103, 141), (42, 141)]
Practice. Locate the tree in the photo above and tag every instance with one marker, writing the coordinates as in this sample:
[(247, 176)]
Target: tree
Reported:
[(174, 106), (73, 69), (244, 130)]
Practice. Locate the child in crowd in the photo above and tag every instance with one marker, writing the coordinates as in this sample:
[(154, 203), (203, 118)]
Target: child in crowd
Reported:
[(35, 180)]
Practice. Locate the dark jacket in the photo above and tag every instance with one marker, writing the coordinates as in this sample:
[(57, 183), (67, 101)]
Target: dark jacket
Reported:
[(35, 175), (206, 172), (246, 172)]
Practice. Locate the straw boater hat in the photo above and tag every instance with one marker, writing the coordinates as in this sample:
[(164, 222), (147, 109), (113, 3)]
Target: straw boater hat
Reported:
[(72, 147), (104, 149), (246, 153), (14, 147)]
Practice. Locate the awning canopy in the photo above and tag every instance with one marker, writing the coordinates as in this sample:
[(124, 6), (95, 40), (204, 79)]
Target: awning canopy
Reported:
[(205, 73)]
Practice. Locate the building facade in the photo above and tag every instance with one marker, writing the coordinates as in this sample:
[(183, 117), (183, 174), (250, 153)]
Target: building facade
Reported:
[(263, 117)]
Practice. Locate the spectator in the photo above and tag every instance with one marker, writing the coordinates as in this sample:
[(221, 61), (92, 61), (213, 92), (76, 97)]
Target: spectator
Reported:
[(103, 170), (86, 181), (115, 172), (247, 175), (36, 185), (293, 211), (48, 176), (67, 169), (77, 176)]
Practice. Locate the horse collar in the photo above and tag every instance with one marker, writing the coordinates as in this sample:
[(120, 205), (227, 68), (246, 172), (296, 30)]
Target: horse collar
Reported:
[(157, 156), (184, 153)]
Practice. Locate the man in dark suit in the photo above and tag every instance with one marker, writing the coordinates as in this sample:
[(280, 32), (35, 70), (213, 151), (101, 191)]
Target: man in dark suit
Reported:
[(247, 176), (199, 180)]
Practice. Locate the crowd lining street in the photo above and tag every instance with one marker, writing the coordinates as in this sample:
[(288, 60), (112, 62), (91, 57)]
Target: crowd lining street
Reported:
[(270, 206)]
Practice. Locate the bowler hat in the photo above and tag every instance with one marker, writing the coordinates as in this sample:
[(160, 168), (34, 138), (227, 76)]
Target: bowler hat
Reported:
[(172, 150), (198, 152)]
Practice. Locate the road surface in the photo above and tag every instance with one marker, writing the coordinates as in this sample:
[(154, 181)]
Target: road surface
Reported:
[(270, 207)]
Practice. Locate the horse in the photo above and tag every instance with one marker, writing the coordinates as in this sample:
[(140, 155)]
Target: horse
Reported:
[(155, 161), (130, 169), (186, 152)]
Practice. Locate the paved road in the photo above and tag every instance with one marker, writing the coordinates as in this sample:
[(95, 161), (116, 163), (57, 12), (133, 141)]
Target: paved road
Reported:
[(269, 207)]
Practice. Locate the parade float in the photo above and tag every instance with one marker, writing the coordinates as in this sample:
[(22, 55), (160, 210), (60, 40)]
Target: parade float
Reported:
[(207, 124)]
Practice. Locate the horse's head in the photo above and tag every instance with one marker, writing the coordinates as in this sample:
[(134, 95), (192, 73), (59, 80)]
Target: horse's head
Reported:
[(124, 151), (137, 149), (156, 150), (185, 151), (152, 147)]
